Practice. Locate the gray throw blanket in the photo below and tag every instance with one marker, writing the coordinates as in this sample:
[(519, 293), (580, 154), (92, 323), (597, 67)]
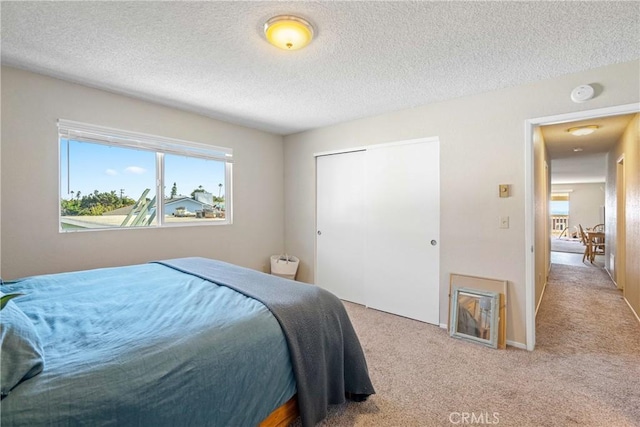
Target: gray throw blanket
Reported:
[(328, 361)]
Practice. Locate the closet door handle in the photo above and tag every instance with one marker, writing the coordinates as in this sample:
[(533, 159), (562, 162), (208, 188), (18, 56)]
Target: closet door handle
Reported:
[(434, 242)]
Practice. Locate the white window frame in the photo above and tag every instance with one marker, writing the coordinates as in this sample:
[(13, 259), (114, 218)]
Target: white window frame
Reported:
[(69, 129)]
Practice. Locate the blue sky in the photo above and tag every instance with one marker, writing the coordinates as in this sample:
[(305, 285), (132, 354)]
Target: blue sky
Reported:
[(106, 168), (559, 207)]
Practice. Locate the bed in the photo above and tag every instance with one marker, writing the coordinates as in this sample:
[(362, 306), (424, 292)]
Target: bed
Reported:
[(188, 341)]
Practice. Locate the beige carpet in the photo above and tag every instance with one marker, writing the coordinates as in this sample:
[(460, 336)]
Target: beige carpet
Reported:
[(573, 246), (576, 260), (585, 370)]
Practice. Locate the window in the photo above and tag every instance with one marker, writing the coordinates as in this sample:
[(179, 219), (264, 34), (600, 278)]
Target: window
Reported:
[(559, 208), (111, 178)]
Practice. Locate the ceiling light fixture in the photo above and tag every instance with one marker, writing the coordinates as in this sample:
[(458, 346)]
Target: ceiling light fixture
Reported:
[(577, 149), (583, 130), (288, 32)]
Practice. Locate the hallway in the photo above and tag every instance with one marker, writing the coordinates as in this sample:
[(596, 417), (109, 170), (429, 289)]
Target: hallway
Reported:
[(584, 322), (583, 297)]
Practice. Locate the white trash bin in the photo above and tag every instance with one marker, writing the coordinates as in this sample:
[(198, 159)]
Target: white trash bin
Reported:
[(284, 266)]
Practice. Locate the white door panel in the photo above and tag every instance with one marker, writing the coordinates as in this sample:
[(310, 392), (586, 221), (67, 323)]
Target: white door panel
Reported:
[(340, 228), (402, 212)]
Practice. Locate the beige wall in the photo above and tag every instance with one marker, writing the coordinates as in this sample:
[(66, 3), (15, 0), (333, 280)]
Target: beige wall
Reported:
[(585, 203), (482, 145), (541, 190), (31, 243), (629, 146)]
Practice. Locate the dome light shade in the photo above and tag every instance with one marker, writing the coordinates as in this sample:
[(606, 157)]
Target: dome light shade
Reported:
[(288, 32), (582, 130)]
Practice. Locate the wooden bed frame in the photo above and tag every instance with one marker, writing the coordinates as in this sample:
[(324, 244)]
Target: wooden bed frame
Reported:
[(283, 415)]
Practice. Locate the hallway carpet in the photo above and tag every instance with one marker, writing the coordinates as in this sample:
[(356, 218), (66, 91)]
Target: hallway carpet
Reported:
[(585, 370), (567, 258), (573, 246)]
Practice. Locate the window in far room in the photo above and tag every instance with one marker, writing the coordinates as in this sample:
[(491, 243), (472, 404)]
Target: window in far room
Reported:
[(113, 179), (559, 213)]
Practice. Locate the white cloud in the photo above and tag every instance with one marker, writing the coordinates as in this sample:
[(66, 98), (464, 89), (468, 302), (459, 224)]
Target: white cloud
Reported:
[(111, 172), (135, 170)]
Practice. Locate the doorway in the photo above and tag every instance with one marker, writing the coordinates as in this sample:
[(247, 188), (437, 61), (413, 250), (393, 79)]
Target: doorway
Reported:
[(618, 260), (533, 246)]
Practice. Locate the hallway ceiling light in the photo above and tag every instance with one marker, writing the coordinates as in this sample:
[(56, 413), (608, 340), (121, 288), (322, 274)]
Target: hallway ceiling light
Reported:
[(577, 150), (583, 130), (288, 32)]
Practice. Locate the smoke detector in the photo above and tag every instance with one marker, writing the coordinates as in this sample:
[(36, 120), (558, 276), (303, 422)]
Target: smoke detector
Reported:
[(582, 93)]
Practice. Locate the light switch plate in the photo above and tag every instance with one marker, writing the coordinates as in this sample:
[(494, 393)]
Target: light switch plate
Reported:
[(504, 222)]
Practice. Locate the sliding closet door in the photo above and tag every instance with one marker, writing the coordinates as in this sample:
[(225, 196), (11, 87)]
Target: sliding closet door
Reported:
[(340, 226), (402, 217)]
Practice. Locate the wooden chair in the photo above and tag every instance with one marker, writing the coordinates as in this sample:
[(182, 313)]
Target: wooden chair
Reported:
[(597, 248), (587, 245), (597, 245), (575, 234), (581, 235)]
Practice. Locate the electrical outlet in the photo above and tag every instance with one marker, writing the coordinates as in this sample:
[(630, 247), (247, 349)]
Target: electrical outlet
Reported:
[(504, 222)]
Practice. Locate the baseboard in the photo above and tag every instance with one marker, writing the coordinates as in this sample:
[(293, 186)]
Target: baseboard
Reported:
[(517, 345), (544, 288), (632, 310), (444, 326), (611, 277)]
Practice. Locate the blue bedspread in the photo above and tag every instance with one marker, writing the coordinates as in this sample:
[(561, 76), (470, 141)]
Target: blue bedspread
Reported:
[(328, 361), (199, 351)]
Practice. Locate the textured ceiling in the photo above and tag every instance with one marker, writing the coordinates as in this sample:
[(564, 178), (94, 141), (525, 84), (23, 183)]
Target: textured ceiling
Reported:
[(369, 57)]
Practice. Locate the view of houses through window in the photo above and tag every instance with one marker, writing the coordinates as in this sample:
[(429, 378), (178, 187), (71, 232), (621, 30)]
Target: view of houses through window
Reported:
[(194, 188), (112, 186)]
